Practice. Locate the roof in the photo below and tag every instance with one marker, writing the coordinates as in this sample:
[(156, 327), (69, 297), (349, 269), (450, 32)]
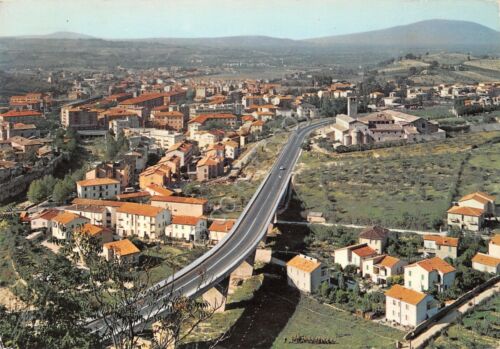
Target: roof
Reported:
[(14, 113), (180, 200), (185, 220), (466, 211), (435, 263), (122, 247), (65, 217), (374, 233), (303, 263), (442, 240), (405, 294), (81, 201), (141, 98), (49, 214), (138, 194), (221, 226), (478, 196), (485, 259), (97, 181), (140, 209), (160, 190), (495, 240), (389, 261), (92, 230), (364, 251), (208, 161), (202, 118)]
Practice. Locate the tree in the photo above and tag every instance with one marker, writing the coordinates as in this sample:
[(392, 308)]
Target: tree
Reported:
[(324, 289), (36, 192)]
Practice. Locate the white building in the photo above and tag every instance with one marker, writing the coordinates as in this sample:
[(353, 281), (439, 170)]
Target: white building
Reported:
[(354, 255), (441, 246), (380, 268), (144, 221), (424, 274), (306, 273), (187, 228), (65, 223), (486, 263), (408, 307), (98, 188), (494, 246)]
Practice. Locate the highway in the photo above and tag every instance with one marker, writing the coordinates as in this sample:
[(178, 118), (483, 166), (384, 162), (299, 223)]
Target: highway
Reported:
[(251, 227)]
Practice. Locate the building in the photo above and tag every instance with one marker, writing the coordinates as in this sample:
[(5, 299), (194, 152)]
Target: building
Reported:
[(429, 273), (181, 206), (195, 124), (465, 218), (481, 201), (80, 206), (183, 150), (306, 273), (97, 215), (23, 117), (376, 237), (42, 220), (99, 188), (171, 120), (441, 246), (408, 307), (65, 223), (486, 263), (145, 221), (122, 171), (219, 229), (380, 268), (138, 197), (187, 228), (354, 255), (316, 217), (208, 168), (124, 250), (9, 130), (161, 139), (494, 246), (100, 234), (158, 175), (79, 117)]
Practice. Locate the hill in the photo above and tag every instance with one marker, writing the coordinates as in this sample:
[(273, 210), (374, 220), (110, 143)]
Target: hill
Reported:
[(58, 35)]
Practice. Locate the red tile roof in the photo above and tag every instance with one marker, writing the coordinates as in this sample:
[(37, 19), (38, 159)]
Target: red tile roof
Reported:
[(442, 240), (13, 113), (364, 251), (202, 118), (179, 199), (405, 295), (221, 226), (466, 211)]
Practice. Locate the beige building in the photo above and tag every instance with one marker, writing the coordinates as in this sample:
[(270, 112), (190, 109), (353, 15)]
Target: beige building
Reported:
[(145, 221), (494, 246), (441, 246), (354, 255), (64, 224), (124, 250), (428, 273), (379, 268), (408, 307), (376, 237), (187, 228), (471, 210), (109, 207), (486, 263), (99, 188), (43, 219), (181, 206), (95, 214), (306, 273), (479, 200), (101, 234), (219, 229)]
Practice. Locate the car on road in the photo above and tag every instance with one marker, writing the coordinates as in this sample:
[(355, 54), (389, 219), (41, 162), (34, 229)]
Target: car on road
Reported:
[(282, 168)]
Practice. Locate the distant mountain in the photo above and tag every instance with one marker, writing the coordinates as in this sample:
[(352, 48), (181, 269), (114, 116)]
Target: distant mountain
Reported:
[(58, 35), (431, 34)]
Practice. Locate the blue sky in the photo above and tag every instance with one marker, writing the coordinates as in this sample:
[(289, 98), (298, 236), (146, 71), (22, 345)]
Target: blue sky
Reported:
[(296, 19)]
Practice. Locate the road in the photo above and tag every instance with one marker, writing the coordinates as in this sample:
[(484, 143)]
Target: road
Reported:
[(248, 231)]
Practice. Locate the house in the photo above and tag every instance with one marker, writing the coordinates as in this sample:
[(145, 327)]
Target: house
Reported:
[(65, 223), (98, 188), (209, 168), (140, 197), (109, 207), (159, 175), (376, 237), (441, 246), (479, 200), (465, 218), (218, 230), (428, 273), (408, 307), (354, 255), (124, 250), (96, 215), (101, 234), (306, 273), (181, 206), (188, 228), (379, 268), (486, 263), (23, 116), (144, 221), (201, 120), (494, 246), (183, 150), (122, 171), (232, 149), (154, 189), (43, 219)]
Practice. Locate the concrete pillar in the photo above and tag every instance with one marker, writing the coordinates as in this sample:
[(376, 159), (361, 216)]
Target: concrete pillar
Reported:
[(245, 270), (216, 296)]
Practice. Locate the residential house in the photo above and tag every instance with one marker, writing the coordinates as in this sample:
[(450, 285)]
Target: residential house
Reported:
[(141, 197), (408, 307), (219, 229), (124, 250), (466, 218), (441, 246), (380, 268), (306, 273), (198, 122), (428, 273), (145, 221), (65, 223), (101, 234), (494, 246), (183, 150), (181, 206), (99, 188), (209, 168), (42, 220), (187, 228), (481, 201), (376, 237), (354, 255), (23, 116), (122, 171), (97, 215), (109, 206), (486, 263), (232, 149), (159, 175)]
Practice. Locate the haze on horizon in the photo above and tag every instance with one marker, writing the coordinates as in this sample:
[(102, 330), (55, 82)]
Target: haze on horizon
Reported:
[(294, 19)]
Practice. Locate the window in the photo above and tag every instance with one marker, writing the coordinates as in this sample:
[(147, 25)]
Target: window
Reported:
[(422, 277), (409, 283), (409, 272)]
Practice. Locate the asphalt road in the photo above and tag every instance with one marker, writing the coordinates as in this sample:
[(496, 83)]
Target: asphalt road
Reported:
[(249, 230)]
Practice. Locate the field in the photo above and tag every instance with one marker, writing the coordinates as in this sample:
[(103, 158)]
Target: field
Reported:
[(410, 186), (403, 66), (480, 329), (443, 115), (490, 64)]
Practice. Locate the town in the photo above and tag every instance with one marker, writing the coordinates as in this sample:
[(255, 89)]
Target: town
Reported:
[(365, 200)]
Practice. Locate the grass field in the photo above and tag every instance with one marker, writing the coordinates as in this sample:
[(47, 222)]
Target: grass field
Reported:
[(407, 187), (7, 273), (312, 319), (490, 64), (480, 329)]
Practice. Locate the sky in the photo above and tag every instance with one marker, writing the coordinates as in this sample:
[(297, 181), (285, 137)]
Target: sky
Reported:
[(294, 19)]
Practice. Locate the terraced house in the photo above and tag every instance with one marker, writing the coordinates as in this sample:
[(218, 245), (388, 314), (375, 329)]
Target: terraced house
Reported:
[(144, 221), (98, 188)]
